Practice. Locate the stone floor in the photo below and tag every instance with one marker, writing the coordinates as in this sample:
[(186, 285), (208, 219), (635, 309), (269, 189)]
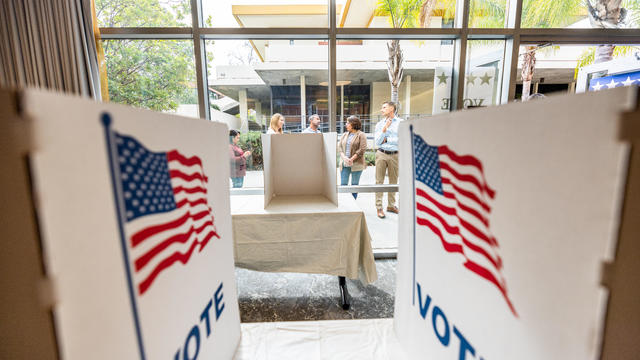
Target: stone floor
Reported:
[(265, 297)]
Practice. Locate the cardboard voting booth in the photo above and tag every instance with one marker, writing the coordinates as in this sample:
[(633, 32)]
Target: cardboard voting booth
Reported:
[(297, 165), (120, 220), (509, 215)]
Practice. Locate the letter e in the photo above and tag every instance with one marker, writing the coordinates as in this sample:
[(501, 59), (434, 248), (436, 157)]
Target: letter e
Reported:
[(218, 299)]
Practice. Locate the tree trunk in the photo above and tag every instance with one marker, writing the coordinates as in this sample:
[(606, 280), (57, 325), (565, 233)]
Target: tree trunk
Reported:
[(394, 94), (395, 68), (528, 67), (605, 14), (603, 53)]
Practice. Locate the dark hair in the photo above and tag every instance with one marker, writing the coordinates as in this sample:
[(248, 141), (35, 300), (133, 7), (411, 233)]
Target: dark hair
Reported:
[(355, 122), (391, 103), (232, 134)]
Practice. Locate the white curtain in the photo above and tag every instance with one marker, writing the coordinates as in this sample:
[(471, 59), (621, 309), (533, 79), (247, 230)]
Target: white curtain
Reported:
[(49, 44)]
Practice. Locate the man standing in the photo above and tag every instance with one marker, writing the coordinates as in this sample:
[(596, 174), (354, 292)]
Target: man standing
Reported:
[(387, 154), (314, 123)]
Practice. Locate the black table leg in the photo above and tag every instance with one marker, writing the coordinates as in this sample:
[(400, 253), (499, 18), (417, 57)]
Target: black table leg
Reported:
[(344, 294)]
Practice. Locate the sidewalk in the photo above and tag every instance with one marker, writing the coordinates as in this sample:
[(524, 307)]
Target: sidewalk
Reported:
[(384, 232)]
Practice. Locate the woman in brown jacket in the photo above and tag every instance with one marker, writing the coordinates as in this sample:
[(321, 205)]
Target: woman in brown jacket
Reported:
[(351, 147)]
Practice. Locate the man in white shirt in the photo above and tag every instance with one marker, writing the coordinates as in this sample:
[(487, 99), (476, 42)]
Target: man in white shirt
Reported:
[(386, 139), (314, 123)]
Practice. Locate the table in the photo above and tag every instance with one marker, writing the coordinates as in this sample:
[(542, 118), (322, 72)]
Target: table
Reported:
[(304, 234)]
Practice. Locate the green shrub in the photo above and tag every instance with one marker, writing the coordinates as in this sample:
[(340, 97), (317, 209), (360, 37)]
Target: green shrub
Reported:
[(251, 141), (370, 157)]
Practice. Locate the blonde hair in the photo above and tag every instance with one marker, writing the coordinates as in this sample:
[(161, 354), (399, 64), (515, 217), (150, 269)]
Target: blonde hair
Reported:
[(274, 122)]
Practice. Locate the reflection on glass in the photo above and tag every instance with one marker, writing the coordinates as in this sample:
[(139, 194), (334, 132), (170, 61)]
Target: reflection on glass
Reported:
[(143, 13), (395, 14), (580, 14), (483, 77), (152, 74)]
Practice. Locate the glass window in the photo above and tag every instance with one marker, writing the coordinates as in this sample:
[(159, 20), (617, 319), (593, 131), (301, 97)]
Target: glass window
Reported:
[(569, 68), (424, 89), (487, 13), (152, 74), (575, 14), (483, 76), (249, 81), (269, 14), (143, 13), (395, 14)]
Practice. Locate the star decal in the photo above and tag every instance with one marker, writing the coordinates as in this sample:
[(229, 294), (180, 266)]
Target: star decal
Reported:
[(471, 79), (628, 82), (612, 84), (597, 86), (485, 79), (442, 78)]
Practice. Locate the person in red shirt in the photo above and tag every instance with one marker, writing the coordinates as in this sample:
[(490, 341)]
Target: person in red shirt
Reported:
[(238, 159)]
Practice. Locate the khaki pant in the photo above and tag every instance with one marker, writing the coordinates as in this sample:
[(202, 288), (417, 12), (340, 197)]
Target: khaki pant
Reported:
[(386, 163)]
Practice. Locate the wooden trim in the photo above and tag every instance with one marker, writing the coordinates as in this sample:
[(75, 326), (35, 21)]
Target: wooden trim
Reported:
[(373, 14), (347, 6)]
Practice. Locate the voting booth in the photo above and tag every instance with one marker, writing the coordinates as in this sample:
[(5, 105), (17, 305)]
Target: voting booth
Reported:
[(512, 217), (117, 239), (299, 165)]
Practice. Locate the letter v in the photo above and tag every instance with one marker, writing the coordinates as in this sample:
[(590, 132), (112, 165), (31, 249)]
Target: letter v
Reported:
[(423, 310)]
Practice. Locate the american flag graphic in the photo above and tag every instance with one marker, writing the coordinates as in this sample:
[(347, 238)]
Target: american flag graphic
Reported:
[(453, 201), (166, 213)]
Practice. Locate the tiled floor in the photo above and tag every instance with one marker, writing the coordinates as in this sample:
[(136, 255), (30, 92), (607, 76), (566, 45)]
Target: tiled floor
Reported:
[(289, 297)]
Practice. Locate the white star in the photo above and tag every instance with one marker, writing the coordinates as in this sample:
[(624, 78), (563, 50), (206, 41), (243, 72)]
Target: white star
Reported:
[(612, 84), (628, 81), (597, 86)]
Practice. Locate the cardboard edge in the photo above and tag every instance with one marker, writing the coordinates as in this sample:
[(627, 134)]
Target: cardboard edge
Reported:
[(620, 275), (26, 310), (330, 191), (266, 168)]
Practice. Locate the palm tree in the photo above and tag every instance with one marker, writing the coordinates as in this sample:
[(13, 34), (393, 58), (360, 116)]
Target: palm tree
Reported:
[(560, 13), (402, 14), (606, 14)]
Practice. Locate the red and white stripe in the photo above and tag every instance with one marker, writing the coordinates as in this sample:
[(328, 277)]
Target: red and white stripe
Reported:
[(460, 216), (159, 241)]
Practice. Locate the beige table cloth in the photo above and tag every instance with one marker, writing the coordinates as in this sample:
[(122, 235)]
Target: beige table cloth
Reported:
[(305, 234)]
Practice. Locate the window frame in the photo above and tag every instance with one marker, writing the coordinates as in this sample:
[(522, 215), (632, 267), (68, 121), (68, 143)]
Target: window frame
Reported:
[(513, 34)]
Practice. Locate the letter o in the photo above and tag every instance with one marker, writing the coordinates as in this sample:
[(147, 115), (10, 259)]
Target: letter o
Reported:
[(194, 333), (437, 312)]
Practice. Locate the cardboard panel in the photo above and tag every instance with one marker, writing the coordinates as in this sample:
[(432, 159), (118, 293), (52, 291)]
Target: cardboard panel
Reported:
[(622, 327), (25, 310), (134, 210), (299, 165), (330, 190), (549, 177)]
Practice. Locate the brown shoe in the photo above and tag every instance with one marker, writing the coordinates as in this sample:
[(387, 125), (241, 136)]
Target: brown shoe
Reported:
[(392, 209), (381, 214)]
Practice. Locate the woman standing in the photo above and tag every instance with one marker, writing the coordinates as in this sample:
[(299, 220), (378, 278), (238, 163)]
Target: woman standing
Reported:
[(352, 146), (238, 159), (277, 124)]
